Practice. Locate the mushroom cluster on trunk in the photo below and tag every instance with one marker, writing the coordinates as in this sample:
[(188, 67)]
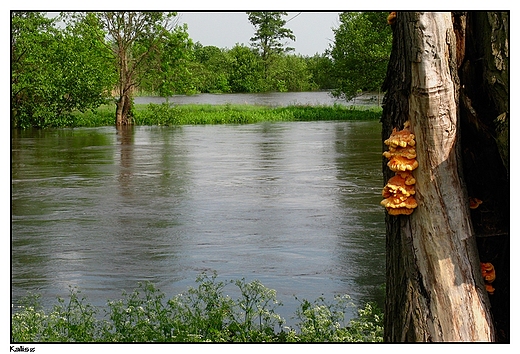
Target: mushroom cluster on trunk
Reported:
[(399, 191)]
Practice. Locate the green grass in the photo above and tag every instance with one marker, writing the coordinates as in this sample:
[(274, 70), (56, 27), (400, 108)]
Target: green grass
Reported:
[(164, 114), (201, 314)]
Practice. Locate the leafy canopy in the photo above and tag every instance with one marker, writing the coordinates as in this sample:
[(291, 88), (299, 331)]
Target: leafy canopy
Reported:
[(360, 53), (55, 71), (270, 32)]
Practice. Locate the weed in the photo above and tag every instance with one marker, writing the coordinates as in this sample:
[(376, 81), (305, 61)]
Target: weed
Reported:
[(201, 314)]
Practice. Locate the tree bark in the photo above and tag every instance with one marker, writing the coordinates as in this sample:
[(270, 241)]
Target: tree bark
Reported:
[(435, 291), (124, 103), (123, 109), (484, 114)]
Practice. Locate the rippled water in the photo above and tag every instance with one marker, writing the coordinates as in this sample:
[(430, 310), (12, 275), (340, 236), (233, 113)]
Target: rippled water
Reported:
[(294, 205)]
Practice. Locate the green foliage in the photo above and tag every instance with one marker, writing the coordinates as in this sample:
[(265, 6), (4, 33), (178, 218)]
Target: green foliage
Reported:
[(268, 37), (62, 74), (321, 70), (361, 50), (201, 314), (327, 321), (167, 71), (245, 70), (269, 33), (165, 114), (139, 317), (142, 45), (55, 72), (72, 321), (211, 69), (289, 73)]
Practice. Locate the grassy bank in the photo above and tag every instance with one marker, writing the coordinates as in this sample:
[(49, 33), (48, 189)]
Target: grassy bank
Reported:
[(163, 114), (201, 314)]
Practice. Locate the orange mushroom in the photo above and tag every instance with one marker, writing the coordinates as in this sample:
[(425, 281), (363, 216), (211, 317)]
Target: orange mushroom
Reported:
[(489, 275), (408, 178), (401, 138), (399, 163), (407, 151), (399, 211), (391, 18), (474, 203), (395, 203), (399, 189), (490, 289), (488, 272), (398, 185)]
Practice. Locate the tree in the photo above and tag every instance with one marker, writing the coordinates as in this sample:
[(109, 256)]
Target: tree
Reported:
[(246, 70), (360, 52), (167, 67), (448, 76), (214, 72), (134, 39), (289, 73), (269, 34), (322, 71), (55, 71)]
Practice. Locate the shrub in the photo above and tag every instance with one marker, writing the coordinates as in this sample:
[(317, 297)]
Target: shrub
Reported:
[(200, 314)]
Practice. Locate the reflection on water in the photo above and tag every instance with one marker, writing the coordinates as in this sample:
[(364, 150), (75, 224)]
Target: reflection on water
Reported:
[(294, 205)]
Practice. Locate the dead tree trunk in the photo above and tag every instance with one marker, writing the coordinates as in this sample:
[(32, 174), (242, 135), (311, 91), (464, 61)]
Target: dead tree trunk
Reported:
[(435, 291), (484, 115)]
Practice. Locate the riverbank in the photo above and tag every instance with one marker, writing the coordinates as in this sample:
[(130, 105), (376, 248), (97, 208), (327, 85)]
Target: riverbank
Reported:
[(201, 314), (164, 114)]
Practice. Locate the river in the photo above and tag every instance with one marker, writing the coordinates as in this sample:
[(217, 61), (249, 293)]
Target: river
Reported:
[(294, 205), (273, 99)]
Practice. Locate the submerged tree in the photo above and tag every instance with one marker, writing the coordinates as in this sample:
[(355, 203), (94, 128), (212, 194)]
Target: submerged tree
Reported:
[(133, 36), (448, 77), (138, 41)]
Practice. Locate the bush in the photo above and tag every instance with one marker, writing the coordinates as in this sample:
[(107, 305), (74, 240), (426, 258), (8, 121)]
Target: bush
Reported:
[(201, 314)]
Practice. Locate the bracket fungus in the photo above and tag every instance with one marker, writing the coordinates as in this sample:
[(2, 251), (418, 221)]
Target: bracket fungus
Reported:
[(399, 190), (474, 203), (401, 138), (488, 273)]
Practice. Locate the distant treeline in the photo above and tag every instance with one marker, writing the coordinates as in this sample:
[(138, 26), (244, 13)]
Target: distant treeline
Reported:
[(209, 69), (80, 61)]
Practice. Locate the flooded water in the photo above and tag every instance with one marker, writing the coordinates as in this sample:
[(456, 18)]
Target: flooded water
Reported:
[(273, 99), (294, 205)]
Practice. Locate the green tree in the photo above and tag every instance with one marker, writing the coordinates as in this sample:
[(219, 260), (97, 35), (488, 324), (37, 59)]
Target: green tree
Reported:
[(245, 70), (269, 35), (320, 67), (360, 53), (167, 68), (135, 38), (214, 69), (289, 73), (55, 71)]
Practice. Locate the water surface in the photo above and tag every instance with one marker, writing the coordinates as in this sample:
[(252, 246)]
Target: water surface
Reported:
[(272, 99), (294, 205)]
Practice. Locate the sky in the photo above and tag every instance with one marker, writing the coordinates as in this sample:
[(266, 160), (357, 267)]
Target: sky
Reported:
[(313, 30)]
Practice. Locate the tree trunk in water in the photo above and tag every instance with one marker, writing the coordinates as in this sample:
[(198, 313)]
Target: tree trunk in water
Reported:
[(123, 109), (435, 290), (124, 104)]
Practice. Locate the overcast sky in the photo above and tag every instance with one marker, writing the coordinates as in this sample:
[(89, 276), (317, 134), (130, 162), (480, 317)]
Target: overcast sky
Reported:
[(313, 30)]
